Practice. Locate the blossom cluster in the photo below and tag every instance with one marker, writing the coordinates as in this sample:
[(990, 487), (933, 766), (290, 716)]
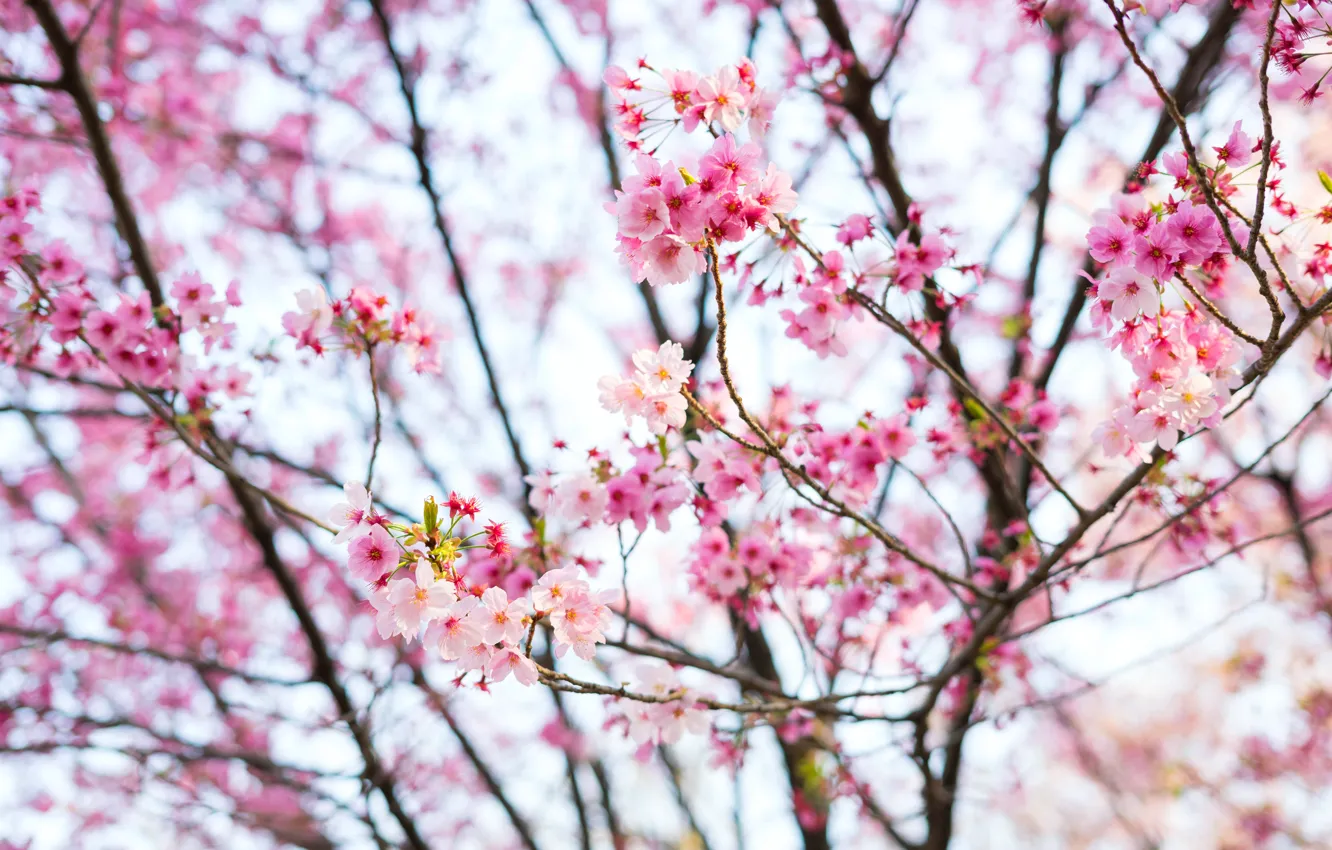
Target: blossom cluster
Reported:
[(652, 723), (1186, 367), (756, 562), (653, 391), (825, 307), (823, 291), (362, 320), (1184, 361), (1297, 38), (729, 98), (418, 588), (670, 214), (137, 342), (724, 468), (848, 462), (649, 490), (667, 212)]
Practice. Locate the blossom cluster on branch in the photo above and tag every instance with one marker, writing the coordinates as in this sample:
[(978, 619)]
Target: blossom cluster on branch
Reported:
[(1001, 355)]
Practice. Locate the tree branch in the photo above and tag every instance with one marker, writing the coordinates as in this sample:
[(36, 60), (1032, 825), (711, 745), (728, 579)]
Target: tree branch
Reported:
[(72, 81), (419, 149), (1054, 137), (441, 707), (1202, 60)]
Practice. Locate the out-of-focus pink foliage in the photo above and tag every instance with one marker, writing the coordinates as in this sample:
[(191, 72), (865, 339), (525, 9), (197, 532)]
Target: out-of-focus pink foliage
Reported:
[(958, 479)]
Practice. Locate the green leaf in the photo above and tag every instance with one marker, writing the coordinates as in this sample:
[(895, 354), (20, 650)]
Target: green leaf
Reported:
[(1325, 180), (431, 514), (974, 408), (1015, 326)]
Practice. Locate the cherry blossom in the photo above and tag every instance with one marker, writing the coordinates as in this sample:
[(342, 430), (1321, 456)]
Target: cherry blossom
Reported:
[(373, 555), (356, 516), (953, 409), (417, 602)]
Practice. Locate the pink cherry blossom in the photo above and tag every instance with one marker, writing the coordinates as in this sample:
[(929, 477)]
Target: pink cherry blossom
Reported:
[(354, 517), (373, 555), (503, 620), (458, 628), (554, 588), (731, 166), (1156, 251), (855, 228), (417, 602), (1237, 150), (312, 317), (643, 214), (581, 498), (762, 106), (669, 259), (1111, 242), (1129, 293), (666, 366), (1156, 424), (506, 660), (722, 99), (680, 86), (663, 723), (1195, 230), (653, 391)]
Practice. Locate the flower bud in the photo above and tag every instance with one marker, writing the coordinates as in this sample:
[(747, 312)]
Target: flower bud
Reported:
[(431, 515)]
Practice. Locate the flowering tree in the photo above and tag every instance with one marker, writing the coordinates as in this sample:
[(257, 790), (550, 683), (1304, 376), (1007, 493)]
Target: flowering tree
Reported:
[(739, 424)]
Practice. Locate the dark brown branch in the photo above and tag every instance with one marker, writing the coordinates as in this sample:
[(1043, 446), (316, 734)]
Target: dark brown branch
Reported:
[(324, 669), (546, 661), (72, 82), (75, 412), (1205, 181), (995, 615), (253, 758), (743, 677), (678, 788), (1054, 137), (941, 792), (1201, 62), (872, 807), (203, 665), (857, 99), (1265, 161), (904, 16), (379, 418), (11, 80), (856, 93), (607, 141), (602, 776), (441, 706), (420, 153), (794, 753), (1285, 485)]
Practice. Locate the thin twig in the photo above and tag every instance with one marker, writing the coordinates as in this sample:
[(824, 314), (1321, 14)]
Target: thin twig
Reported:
[(49, 636), (73, 82), (419, 150), (13, 80), (379, 418)]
